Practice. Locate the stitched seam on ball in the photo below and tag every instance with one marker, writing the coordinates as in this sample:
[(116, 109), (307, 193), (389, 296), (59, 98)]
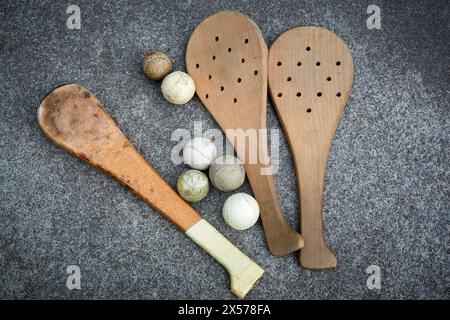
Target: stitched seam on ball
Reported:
[(250, 204), (154, 59), (191, 185), (201, 153), (228, 188)]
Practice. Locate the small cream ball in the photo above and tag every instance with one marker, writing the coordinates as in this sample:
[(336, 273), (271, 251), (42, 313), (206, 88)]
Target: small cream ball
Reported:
[(178, 87), (199, 152), (227, 173), (156, 65), (240, 211)]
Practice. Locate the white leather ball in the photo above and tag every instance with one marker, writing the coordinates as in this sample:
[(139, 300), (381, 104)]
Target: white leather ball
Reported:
[(240, 211), (178, 87), (199, 152)]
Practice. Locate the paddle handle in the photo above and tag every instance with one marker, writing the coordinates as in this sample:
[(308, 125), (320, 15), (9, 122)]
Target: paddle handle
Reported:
[(281, 238), (310, 170), (244, 273)]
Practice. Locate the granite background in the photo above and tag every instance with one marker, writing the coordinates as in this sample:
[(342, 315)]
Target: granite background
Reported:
[(387, 186)]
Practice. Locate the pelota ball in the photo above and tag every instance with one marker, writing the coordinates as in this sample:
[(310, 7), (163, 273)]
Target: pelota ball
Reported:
[(240, 211), (199, 152), (178, 87), (156, 65), (193, 185), (227, 173)]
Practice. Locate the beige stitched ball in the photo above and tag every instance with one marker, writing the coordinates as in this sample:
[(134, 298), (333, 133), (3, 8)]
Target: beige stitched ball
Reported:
[(227, 173), (156, 65), (178, 87)]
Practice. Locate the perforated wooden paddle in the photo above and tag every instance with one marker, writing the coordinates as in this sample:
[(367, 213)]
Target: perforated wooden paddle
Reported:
[(76, 121), (227, 58), (310, 76)]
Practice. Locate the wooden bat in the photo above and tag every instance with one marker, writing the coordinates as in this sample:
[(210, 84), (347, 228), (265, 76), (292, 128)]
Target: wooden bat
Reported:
[(75, 120)]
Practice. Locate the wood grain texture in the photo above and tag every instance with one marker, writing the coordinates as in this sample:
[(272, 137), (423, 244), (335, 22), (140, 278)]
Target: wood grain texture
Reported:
[(227, 58), (310, 77), (75, 120)]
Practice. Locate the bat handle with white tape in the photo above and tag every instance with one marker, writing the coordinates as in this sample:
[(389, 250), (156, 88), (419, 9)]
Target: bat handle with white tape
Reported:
[(75, 120)]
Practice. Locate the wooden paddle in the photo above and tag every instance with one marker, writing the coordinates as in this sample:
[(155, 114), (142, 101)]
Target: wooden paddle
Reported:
[(74, 119), (310, 76), (227, 58)]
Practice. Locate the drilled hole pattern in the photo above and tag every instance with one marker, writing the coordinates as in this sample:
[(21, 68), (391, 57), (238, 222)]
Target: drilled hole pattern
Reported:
[(283, 66), (237, 56)]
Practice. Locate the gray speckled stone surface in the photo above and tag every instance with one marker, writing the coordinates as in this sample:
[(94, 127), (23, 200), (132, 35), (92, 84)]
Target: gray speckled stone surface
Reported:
[(387, 186)]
